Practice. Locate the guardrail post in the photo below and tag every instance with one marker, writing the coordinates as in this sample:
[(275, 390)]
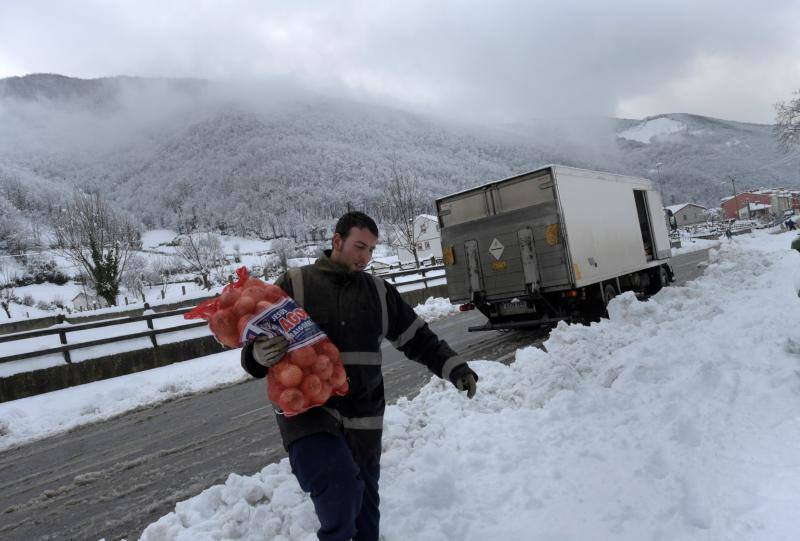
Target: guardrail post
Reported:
[(62, 335), (149, 321)]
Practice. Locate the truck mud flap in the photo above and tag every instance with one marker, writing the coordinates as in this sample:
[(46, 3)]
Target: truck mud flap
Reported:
[(538, 323)]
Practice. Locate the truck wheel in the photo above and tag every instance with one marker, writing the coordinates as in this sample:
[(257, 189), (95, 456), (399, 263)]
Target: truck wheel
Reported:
[(659, 279), (609, 292), (663, 277)]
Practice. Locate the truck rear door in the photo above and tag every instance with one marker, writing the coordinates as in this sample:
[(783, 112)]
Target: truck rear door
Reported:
[(662, 248)]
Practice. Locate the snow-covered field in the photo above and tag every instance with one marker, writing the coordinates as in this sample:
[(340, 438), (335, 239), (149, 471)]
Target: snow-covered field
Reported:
[(51, 413), (156, 249), (677, 419)]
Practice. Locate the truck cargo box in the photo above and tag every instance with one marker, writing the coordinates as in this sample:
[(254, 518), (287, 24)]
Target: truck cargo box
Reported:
[(553, 229)]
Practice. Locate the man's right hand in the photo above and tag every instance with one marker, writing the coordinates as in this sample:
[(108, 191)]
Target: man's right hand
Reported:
[(268, 351)]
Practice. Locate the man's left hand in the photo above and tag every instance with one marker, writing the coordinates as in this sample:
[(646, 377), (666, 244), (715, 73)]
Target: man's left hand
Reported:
[(464, 379)]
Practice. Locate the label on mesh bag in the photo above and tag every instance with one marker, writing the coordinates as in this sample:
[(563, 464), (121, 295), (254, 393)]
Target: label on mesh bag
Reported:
[(287, 319)]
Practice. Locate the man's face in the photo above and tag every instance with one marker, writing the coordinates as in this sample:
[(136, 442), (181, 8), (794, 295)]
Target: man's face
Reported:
[(355, 251)]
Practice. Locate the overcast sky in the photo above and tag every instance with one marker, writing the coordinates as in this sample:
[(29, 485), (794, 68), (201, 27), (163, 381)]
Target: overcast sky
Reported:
[(494, 60)]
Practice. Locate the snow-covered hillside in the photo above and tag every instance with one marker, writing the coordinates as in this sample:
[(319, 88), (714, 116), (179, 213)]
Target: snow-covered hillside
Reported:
[(675, 419), (268, 160)]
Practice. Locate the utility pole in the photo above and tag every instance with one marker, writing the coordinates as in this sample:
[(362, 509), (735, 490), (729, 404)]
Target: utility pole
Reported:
[(735, 199), (660, 184)]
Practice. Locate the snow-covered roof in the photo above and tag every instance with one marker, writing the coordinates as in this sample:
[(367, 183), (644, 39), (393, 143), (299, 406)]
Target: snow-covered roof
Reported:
[(430, 217), (677, 208)]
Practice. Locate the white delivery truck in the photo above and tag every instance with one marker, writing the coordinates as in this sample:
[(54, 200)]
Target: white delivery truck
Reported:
[(553, 244)]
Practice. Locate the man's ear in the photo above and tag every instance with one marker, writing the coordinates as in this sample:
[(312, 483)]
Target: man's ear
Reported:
[(337, 242)]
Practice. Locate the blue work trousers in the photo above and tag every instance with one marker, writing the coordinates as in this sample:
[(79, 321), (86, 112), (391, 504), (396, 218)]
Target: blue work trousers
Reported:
[(344, 492)]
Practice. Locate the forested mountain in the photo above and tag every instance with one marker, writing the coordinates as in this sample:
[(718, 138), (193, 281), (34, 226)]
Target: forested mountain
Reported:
[(265, 158)]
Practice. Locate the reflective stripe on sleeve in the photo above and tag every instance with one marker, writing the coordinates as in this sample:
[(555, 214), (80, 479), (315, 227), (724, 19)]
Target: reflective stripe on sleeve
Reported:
[(409, 333), (334, 413), (449, 364)]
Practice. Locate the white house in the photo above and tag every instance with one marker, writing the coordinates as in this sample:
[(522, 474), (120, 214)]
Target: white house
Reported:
[(754, 211), (428, 237), (688, 214)]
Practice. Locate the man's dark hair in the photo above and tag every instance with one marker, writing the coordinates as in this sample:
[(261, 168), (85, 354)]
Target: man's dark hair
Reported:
[(355, 219)]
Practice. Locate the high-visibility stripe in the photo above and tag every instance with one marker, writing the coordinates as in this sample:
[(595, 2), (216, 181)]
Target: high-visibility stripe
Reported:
[(371, 358), (409, 333), (449, 364), (296, 277), (363, 423), (381, 287), (335, 413)]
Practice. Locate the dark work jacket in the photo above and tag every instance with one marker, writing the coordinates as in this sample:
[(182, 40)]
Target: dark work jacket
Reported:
[(356, 310)]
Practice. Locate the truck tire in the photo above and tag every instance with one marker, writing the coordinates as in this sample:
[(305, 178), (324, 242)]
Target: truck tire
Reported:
[(663, 277), (609, 292), (659, 279)]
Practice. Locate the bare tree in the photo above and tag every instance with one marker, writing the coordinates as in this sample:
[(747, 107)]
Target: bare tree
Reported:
[(787, 123), (284, 248), (6, 288), (134, 276), (98, 240), (403, 202), (204, 254)]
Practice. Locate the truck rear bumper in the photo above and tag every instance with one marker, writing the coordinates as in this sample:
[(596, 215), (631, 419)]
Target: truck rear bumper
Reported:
[(531, 324)]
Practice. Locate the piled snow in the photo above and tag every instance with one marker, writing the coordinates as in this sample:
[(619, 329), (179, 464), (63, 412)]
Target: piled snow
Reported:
[(46, 414), (435, 308), (648, 129), (678, 418)]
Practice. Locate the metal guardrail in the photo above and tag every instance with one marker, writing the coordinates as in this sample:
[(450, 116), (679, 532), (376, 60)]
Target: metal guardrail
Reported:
[(424, 280), (66, 347)]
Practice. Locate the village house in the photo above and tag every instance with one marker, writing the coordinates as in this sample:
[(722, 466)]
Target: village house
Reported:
[(760, 204), (688, 214), (428, 239)]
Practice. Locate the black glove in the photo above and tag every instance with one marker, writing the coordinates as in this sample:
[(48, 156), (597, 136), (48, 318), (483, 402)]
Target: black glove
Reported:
[(464, 379)]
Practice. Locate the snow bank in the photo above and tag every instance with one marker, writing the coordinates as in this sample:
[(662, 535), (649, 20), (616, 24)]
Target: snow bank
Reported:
[(678, 418), (435, 308), (38, 416)]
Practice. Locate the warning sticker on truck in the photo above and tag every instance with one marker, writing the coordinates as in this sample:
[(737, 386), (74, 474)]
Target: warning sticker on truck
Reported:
[(496, 249)]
